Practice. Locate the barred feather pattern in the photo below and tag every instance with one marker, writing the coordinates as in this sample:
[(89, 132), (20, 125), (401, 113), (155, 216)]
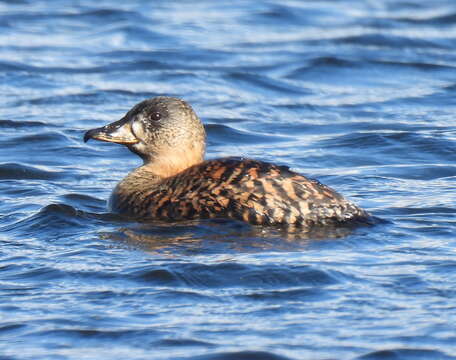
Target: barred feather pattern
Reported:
[(253, 191)]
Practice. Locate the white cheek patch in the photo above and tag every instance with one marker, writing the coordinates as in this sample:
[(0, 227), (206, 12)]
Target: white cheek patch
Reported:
[(137, 129), (121, 132)]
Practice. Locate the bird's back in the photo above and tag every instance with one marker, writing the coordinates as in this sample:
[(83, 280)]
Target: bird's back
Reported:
[(249, 190)]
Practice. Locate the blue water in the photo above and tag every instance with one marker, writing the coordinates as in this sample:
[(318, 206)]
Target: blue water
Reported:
[(359, 94)]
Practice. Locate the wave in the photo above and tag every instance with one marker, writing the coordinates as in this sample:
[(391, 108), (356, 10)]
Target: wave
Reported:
[(10, 171)]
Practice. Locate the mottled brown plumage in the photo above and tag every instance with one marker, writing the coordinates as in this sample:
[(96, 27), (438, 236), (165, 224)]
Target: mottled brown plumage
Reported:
[(176, 184)]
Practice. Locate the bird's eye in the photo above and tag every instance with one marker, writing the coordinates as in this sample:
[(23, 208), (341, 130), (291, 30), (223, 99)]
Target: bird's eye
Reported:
[(155, 116)]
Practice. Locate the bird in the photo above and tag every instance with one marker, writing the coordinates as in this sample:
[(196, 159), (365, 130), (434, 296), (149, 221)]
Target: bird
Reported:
[(176, 183)]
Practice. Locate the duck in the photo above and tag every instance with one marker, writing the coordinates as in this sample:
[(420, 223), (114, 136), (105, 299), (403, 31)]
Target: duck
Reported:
[(176, 183)]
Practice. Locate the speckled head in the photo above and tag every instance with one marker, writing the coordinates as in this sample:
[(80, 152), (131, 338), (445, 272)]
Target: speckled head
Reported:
[(164, 131)]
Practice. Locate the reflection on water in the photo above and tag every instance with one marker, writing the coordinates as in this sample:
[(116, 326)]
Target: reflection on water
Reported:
[(220, 236)]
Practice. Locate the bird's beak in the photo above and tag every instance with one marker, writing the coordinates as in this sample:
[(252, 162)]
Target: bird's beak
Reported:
[(119, 132)]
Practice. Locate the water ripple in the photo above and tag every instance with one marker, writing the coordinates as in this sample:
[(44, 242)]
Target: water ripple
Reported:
[(240, 355), (357, 94), (15, 171)]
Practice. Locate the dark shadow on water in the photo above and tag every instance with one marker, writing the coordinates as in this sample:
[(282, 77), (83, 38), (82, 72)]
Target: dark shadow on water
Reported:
[(238, 355), (406, 354)]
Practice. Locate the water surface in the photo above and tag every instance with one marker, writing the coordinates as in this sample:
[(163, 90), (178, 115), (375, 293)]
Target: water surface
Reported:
[(359, 94)]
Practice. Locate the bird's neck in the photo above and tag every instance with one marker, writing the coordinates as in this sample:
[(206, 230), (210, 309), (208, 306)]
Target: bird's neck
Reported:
[(158, 169), (170, 156), (150, 176), (171, 163)]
